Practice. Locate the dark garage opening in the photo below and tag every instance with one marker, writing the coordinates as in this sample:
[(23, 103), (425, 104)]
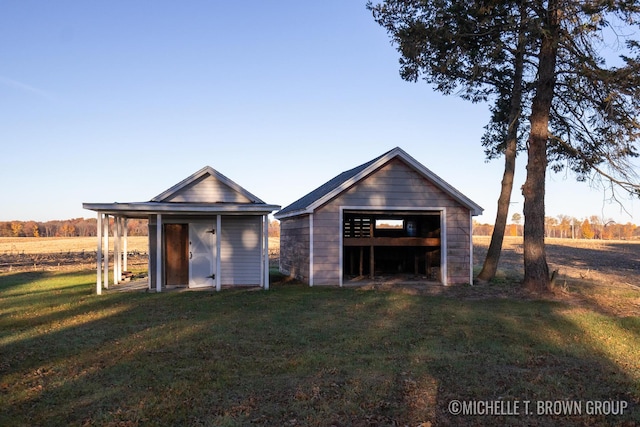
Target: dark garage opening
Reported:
[(386, 243)]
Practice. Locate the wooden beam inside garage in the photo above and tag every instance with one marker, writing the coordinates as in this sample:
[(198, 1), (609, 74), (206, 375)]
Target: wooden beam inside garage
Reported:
[(392, 241)]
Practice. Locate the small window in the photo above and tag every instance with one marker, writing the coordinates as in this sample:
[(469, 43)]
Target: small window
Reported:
[(390, 224)]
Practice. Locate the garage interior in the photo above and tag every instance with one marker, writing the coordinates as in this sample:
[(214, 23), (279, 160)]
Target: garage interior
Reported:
[(396, 244)]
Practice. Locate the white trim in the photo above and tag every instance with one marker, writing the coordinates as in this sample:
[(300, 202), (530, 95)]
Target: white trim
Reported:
[(470, 249), (444, 271), (341, 243), (443, 231), (311, 250), (218, 246), (116, 250), (142, 209), (149, 255), (265, 231), (159, 253), (124, 250), (105, 231), (99, 255)]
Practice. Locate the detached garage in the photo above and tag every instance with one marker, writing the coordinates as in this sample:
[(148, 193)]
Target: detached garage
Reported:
[(206, 231), (388, 217)]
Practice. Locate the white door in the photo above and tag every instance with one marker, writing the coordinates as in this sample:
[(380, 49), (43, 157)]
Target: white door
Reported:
[(202, 255)]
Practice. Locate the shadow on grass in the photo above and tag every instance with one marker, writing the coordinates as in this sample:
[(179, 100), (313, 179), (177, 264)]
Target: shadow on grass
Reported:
[(307, 356), (9, 281)]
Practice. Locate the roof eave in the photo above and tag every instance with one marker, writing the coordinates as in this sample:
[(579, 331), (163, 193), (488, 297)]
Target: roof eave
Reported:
[(297, 212), (185, 209)]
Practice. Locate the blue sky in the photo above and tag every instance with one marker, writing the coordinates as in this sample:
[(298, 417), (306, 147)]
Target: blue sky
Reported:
[(104, 101)]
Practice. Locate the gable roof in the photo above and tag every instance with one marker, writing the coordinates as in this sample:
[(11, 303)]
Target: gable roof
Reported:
[(308, 203), (205, 192), (205, 174)]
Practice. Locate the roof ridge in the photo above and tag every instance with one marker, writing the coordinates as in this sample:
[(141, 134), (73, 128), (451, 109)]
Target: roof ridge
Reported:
[(323, 193)]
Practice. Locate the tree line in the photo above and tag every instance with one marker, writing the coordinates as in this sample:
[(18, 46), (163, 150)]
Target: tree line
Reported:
[(76, 227), (566, 227), (83, 227)]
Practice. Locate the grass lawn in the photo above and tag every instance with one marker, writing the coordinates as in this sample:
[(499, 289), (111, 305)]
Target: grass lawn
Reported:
[(302, 356)]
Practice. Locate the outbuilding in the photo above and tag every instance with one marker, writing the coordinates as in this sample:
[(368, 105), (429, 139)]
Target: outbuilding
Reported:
[(388, 217), (205, 231)]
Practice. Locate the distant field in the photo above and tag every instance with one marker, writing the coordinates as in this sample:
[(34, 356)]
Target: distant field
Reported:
[(48, 245)]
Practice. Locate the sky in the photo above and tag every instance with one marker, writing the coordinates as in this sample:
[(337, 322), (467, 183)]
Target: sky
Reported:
[(105, 101)]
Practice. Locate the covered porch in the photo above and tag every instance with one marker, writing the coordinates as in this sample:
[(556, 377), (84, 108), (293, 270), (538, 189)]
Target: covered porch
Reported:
[(162, 269), (204, 232)]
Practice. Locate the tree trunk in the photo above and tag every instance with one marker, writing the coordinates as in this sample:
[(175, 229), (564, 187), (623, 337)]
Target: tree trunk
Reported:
[(490, 265), (536, 270)]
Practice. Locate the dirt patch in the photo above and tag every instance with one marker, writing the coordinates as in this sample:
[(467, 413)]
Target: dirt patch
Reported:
[(61, 260), (604, 275)]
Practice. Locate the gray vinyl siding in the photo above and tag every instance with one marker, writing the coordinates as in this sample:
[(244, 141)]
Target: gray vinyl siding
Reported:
[(458, 245), (394, 185), (240, 250), (208, 190), (294, 247)]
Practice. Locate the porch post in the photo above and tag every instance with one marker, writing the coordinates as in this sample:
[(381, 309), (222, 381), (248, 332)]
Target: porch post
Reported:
[(149, 272), (99, 255), (124, 250), (116, 250), (265, 245), (159, 253), (218, 246), (105, 230)]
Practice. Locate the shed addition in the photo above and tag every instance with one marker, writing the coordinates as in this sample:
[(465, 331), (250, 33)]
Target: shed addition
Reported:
[(205, 231)]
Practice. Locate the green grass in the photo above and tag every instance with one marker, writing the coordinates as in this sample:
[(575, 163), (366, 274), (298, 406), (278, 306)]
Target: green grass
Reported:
[(298, 356)]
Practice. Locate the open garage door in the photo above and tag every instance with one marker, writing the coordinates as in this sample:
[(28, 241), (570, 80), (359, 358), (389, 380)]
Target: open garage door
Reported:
[(379, 244)]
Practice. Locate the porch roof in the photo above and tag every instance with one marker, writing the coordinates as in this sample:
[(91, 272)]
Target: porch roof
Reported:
[(144, 209)]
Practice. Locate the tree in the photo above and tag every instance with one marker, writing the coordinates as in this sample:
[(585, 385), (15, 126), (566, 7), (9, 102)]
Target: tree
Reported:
[(628, 230), (31, 229), (550, 224), (564, 223), (587, 231), (479, 49), (274, 228), (581, 112), (16, 229), (596, 226), (516, 218), (67, 230)]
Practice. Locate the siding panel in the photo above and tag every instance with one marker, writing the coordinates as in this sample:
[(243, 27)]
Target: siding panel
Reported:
[(208, 190), (294, 247), (240, 250)]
